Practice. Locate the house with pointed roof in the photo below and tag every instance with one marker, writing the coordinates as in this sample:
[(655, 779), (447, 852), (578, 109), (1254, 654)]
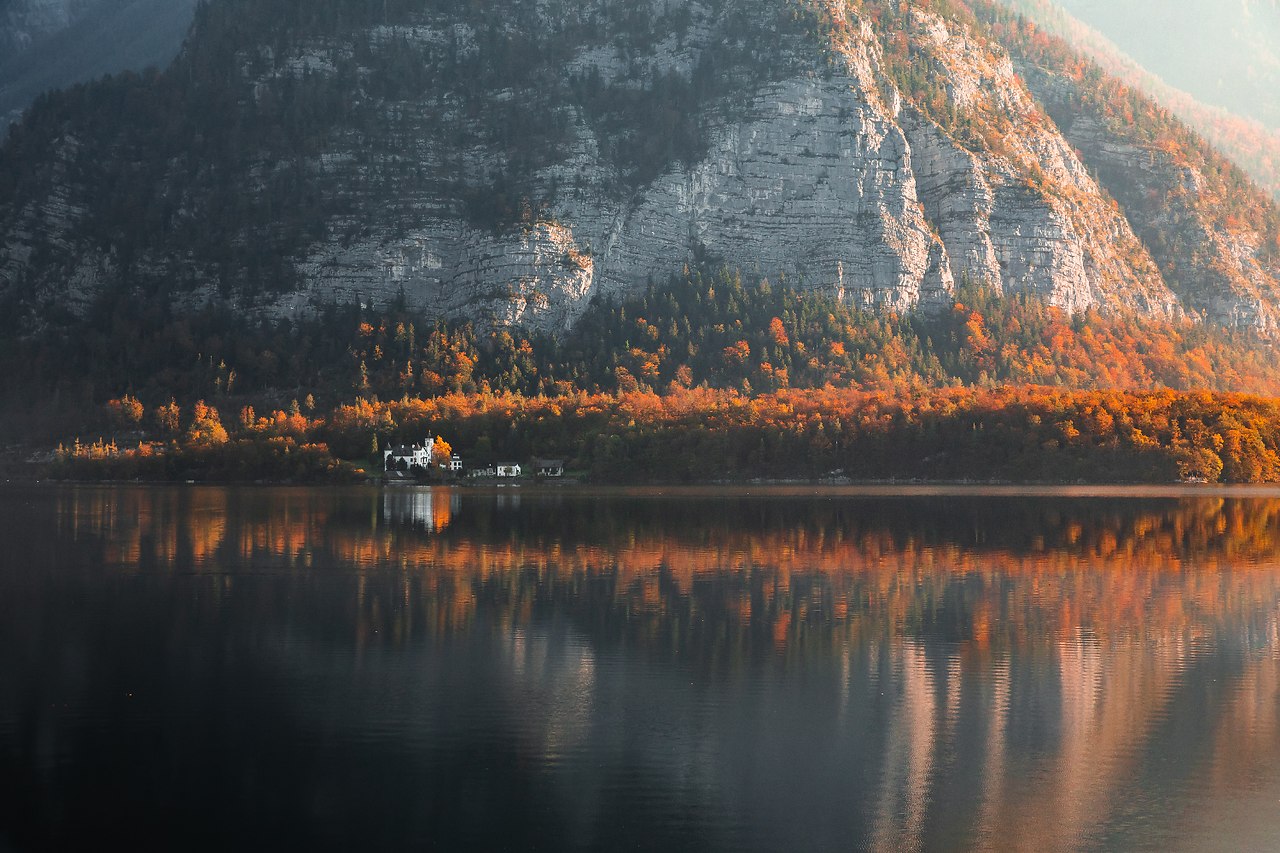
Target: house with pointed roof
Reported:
[(405, 457)]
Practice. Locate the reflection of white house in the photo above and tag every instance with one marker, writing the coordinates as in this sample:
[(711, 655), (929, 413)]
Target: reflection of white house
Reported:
[(408, 456), (508, 469), (421, 508)]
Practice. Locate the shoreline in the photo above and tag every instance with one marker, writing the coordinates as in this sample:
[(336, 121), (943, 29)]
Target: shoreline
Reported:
[(764, 487)]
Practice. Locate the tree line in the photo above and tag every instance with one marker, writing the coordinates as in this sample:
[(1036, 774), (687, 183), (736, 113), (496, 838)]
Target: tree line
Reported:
[(1029, 434)]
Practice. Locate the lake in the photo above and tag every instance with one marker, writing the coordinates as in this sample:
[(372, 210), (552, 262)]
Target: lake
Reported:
[(705, 669)]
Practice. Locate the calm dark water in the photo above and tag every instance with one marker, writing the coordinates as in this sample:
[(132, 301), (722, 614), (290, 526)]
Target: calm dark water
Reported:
[(190, 668)]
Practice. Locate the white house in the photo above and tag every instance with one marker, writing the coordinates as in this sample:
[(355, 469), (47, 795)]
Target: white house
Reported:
[(509, 469), (409, 455), (484, 470), (549, 467), (455, 464)]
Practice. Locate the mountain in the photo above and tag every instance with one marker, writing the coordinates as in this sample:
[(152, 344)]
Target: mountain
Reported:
[(510, 162), (1247, 141), (1214, 234), (1225, 54), (23, 22), (51, 44)]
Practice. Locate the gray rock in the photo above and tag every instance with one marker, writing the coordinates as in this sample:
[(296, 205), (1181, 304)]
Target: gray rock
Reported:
[(813, 166)]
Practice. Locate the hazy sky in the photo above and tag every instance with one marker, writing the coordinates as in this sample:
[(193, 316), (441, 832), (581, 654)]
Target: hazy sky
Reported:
[(1225, 52)]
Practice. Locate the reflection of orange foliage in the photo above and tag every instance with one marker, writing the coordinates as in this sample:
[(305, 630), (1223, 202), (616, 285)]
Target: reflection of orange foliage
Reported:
[(781, 628), (441, 515), (207, 528), (1175, 568)]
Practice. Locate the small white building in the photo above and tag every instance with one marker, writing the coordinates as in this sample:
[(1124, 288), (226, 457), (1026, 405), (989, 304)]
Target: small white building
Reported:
[(455, 464), (553, 468), (408, 456), (508, 470)]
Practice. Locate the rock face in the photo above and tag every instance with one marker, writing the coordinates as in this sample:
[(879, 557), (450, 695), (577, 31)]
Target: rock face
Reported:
[(1024, 216), (1213, 247), (808, 182), (511, 167)]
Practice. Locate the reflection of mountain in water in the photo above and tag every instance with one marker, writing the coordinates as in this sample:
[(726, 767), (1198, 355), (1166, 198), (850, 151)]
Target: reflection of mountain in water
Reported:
[(802, 672)]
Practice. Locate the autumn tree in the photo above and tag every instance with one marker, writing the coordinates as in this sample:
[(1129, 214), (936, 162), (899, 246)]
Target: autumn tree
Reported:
[(169, 418), (206, 428), (1199, 463), (778, 332), (125, 412), (443, 453)]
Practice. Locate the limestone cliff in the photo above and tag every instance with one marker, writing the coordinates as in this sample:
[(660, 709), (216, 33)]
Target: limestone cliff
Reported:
[(510, 161)]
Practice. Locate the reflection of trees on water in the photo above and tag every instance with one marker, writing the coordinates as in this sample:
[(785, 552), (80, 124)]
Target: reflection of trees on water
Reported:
[(1029, 663), (737, 577)]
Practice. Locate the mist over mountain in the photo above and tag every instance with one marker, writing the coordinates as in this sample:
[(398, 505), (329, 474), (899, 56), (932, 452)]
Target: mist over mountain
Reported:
[(1227, 54), (1246, 141), (51, 44)]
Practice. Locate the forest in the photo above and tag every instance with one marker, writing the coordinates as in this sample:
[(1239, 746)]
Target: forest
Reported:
[(701, 435), (704, 377)]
